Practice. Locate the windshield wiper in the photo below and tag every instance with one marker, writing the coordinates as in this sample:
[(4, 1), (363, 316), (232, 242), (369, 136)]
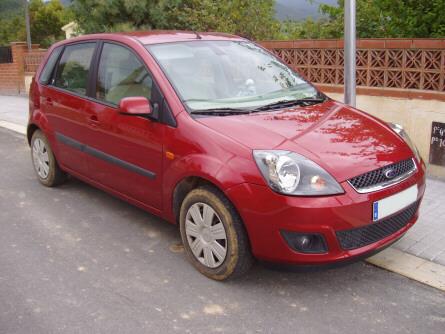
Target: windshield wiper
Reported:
[(287, 103), (272, 106), (221, 111)]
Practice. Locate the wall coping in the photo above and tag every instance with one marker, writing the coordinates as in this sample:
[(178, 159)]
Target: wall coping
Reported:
[(364, 43)]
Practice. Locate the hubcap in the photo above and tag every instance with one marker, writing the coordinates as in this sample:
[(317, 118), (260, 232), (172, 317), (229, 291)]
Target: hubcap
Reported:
[(40, 158), (206, 235)]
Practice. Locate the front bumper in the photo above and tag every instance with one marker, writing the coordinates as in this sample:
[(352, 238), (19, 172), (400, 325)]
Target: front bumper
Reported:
[(266, 213)]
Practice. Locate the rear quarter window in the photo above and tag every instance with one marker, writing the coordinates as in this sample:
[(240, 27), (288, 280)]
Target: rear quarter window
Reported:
[(74, 66), (45, 75)]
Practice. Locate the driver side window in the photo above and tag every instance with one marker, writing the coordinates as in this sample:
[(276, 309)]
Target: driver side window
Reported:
[(120, 75)]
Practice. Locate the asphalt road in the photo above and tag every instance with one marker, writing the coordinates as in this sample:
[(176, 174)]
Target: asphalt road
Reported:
[(76, 260)]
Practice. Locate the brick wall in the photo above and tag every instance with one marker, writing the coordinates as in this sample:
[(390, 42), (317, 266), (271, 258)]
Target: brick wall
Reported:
[(408, 68), (9, 79), (12, 75), (32, 60)]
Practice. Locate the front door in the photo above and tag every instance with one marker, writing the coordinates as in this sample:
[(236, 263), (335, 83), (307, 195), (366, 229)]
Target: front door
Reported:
[(126, 150)]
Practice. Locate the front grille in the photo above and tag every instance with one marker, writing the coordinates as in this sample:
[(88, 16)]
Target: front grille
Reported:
[(377, 177), (367, 235)]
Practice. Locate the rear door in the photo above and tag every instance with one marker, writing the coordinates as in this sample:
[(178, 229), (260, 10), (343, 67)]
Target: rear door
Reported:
[(127, 150), (64, 102)]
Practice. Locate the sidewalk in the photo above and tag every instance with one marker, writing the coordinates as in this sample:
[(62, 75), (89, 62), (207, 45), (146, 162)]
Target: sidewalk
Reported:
[(426, 240), (14, 109)]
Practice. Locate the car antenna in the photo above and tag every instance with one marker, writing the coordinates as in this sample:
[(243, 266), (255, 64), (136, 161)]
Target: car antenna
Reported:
[(198, 36)]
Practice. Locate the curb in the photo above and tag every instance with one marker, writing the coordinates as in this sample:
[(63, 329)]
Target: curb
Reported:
[(411, 266), (391, 259), (13, 127)]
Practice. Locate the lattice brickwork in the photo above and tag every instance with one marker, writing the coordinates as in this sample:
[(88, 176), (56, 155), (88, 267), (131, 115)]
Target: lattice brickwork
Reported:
[(32, 60), (409, 67)]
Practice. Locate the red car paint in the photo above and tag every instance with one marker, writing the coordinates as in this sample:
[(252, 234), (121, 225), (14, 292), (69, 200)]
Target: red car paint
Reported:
[(341, 139)]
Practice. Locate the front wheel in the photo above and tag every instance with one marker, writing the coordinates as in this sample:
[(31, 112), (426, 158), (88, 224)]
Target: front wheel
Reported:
[(45, 164), (213, 235)]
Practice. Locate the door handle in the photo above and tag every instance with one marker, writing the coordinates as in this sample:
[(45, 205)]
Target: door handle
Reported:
[(93, 121), (49, 101)]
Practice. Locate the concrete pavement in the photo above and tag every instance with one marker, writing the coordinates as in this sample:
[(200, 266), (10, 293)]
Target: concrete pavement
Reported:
[(14, 109), (426, 239), (76, 260)]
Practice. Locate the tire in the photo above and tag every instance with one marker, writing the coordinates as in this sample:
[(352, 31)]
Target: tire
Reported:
[(194, 221), (45, 165)]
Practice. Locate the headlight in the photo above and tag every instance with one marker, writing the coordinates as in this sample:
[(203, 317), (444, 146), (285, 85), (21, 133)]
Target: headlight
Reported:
[(292, 174), (402, 133)]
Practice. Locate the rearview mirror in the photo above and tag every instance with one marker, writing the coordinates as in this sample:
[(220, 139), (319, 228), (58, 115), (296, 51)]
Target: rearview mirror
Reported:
[(135, 106)]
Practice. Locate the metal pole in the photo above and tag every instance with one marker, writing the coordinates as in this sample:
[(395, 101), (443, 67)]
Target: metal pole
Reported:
[(28, 28), (350, 52)]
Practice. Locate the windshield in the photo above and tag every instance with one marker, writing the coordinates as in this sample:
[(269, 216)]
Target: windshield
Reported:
[(228, 74)]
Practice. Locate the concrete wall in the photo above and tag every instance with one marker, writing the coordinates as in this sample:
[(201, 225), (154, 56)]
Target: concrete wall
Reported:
[(414, 114), (28, 80)]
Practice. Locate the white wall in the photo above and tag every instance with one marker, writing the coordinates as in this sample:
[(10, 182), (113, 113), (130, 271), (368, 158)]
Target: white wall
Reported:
[(28, 80)]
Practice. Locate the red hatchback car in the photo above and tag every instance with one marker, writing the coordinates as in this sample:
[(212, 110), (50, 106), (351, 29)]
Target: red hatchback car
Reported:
[(213, 132)]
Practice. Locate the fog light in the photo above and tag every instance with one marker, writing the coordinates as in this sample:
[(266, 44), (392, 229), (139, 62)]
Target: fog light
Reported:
[(310, 243)]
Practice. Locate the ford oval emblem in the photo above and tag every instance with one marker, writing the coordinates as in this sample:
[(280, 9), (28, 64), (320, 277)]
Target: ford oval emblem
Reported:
[(390, 173)]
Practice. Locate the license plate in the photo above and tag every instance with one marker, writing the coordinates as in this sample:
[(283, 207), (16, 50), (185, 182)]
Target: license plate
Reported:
[(394, 203)]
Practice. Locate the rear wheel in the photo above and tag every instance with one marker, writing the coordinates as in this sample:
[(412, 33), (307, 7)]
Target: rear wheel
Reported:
[(45, 164), (213, 235)]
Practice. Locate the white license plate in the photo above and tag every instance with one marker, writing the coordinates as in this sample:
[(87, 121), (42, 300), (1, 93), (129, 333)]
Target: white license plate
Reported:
[(394, 203)]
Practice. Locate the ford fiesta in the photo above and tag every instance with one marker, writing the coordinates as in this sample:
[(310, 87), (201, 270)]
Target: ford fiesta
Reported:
[(214, 133)]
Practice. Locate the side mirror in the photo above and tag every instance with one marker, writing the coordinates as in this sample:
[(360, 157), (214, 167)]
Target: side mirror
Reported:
[(135, 106)]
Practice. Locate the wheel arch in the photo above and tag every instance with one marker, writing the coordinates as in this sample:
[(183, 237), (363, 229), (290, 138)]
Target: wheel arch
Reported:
[(184, 186), (30, 131)]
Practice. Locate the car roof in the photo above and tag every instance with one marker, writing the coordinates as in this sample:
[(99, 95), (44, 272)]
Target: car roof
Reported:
[(160, 36), (165, 36)]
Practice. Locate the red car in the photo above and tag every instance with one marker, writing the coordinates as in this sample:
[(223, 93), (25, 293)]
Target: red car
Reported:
[(214, 133)]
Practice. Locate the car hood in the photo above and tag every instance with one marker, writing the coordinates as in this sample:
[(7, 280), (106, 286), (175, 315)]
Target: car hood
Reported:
[(344, 141)]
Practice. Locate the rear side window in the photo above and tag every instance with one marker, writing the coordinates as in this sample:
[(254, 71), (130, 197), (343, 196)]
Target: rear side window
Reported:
[(45, 76), (73, 68), (121, 74)]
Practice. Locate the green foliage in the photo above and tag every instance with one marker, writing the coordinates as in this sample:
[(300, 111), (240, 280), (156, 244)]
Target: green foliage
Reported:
[(12, 29), (253, 19), (414, 18), (112, 15), (9, 7), (46, 21), (375, 19)]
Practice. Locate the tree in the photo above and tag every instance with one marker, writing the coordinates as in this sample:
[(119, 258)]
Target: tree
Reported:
[(253, 19), (376, 19), (12, 28), (413, 18), (109, 15), (47, 19)]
